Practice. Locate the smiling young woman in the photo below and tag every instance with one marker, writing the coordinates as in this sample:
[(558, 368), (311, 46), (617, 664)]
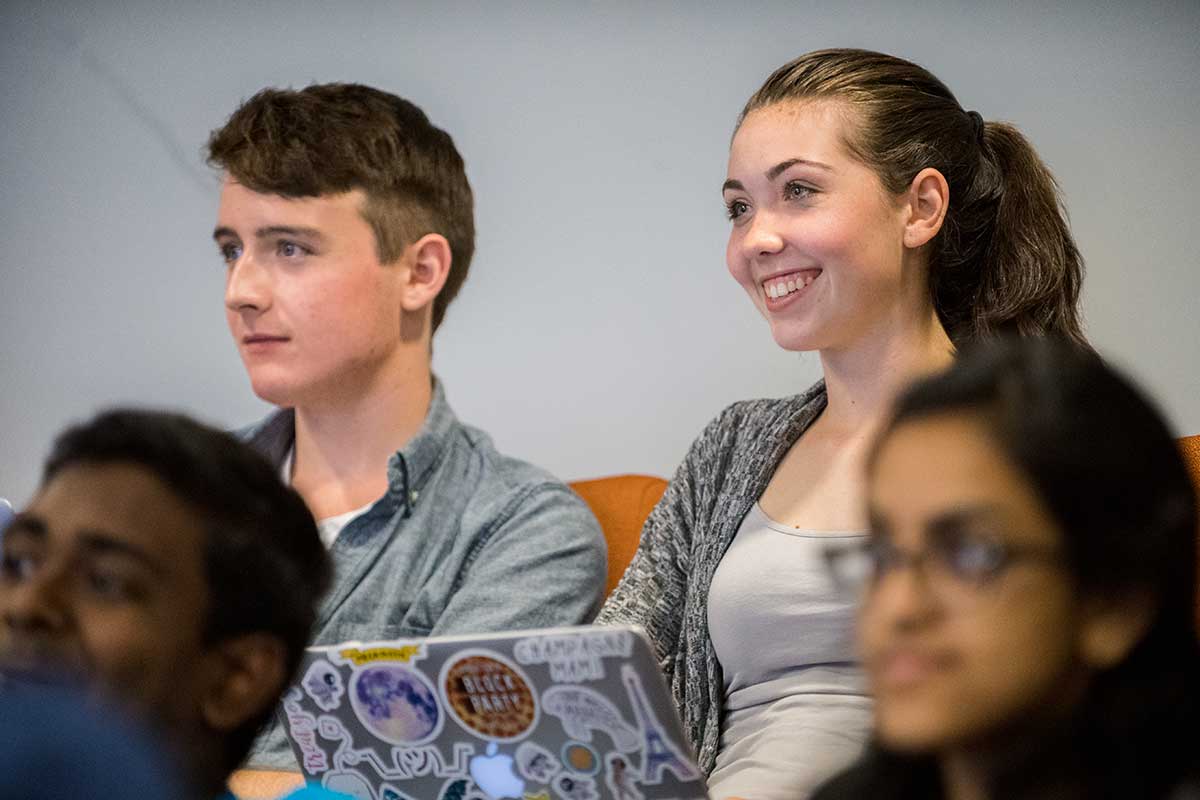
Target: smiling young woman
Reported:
[(876, 221), (1029, 588)]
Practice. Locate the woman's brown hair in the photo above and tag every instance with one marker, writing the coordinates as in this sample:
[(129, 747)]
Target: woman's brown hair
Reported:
[(1004, 260)]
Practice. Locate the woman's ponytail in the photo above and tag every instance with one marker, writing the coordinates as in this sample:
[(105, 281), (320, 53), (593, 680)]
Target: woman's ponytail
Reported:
[(1007, 262)]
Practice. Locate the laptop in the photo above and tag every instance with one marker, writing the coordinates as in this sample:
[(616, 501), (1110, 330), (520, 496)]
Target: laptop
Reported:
[(577, 713)]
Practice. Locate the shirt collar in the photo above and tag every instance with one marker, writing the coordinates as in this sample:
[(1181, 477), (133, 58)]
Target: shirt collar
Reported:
[(411, 466), (408, 469)]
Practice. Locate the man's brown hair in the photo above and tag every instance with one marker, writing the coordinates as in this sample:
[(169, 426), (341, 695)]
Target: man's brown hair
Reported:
[(336, 137)]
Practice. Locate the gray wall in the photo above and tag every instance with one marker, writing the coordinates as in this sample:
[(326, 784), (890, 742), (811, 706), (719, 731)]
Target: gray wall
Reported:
[(598, 330)]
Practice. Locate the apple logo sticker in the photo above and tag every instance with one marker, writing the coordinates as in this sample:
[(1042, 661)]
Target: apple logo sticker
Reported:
[(493, 774)]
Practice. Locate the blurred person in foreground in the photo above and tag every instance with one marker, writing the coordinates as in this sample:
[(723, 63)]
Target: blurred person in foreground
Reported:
[(163, 567), (1028, 624), (56, 743)]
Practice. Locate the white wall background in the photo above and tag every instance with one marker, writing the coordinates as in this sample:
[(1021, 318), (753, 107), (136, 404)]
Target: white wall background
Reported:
[(598, 330)]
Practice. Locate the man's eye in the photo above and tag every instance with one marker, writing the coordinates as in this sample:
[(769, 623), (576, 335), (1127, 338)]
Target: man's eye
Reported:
[(17, 567), (108, 585), (291, 250), (230, 253)]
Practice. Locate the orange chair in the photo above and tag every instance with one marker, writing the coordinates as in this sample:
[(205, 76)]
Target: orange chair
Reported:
[(621, 503), (1190, 447)]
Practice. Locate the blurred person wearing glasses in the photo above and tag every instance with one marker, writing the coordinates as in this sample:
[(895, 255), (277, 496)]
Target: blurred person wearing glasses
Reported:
[(1028, 588)]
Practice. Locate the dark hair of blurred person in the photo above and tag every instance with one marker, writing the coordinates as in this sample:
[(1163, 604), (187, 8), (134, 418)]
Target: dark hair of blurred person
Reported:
[(165, 565), (1029, 614)]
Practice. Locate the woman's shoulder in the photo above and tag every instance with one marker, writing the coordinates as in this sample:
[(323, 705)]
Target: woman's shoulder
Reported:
[(748, 418)]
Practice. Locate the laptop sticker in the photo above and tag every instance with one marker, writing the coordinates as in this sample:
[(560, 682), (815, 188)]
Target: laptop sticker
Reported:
[(488, 695), (658, 752), (406, 762), (389, 792), (574, 657), (575, 787), (323, 683), (357, 656), (395, 703), (348, 783), (583, 710), (580, 758), (303, 726), (620, 778), (461, 789), (494, 775), (536, 763)]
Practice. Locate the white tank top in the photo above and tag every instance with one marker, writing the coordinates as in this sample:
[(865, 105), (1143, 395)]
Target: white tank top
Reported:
[(796, 709)]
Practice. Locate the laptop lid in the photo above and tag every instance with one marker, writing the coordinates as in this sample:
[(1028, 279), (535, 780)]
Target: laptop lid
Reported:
[(576, 713)]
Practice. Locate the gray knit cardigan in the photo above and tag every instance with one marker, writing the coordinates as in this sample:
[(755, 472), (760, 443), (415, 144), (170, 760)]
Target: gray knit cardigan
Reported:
[(665, 588)]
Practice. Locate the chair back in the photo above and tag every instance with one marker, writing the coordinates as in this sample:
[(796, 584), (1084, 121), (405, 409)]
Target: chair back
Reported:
[(621, 503), (1190, 447)]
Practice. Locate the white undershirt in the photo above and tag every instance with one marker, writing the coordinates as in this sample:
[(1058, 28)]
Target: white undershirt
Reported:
[(330, 527)]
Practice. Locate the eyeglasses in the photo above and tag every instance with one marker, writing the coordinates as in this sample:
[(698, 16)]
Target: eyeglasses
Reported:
[(953, 559)]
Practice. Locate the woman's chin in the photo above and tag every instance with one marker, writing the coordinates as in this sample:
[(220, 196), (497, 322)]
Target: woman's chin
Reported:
[(789, 338)]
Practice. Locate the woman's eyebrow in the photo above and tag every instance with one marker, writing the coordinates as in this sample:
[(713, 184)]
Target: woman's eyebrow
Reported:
[(777, 170), (783, 166)]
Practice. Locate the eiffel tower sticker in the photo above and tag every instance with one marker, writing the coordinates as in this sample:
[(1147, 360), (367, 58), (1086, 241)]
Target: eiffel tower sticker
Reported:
[(658, 753)]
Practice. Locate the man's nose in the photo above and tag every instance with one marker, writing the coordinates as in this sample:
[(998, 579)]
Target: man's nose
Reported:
[(247, 286)]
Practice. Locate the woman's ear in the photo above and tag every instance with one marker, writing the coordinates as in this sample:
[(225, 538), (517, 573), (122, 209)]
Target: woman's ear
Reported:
[(1113, 626), (928, 198)]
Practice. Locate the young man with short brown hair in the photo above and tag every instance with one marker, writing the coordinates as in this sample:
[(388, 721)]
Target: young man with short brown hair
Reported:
[(346, 224)]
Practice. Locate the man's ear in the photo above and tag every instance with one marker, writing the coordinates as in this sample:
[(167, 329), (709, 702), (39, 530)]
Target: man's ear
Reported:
[(246, 676), (928, 199), (428, 265), (1113, 626)]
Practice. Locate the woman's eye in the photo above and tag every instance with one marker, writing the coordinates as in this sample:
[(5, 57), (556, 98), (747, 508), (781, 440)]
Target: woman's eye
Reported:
[(795, 190), (978, 558), (736, 209)]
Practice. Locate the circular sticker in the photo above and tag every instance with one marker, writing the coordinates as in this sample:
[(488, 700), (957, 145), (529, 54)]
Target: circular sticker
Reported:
[(489, 696), (395, 703), (580, 758)]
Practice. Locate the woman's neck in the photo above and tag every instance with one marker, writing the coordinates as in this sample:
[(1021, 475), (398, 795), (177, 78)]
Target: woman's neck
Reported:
[(862, 380)]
